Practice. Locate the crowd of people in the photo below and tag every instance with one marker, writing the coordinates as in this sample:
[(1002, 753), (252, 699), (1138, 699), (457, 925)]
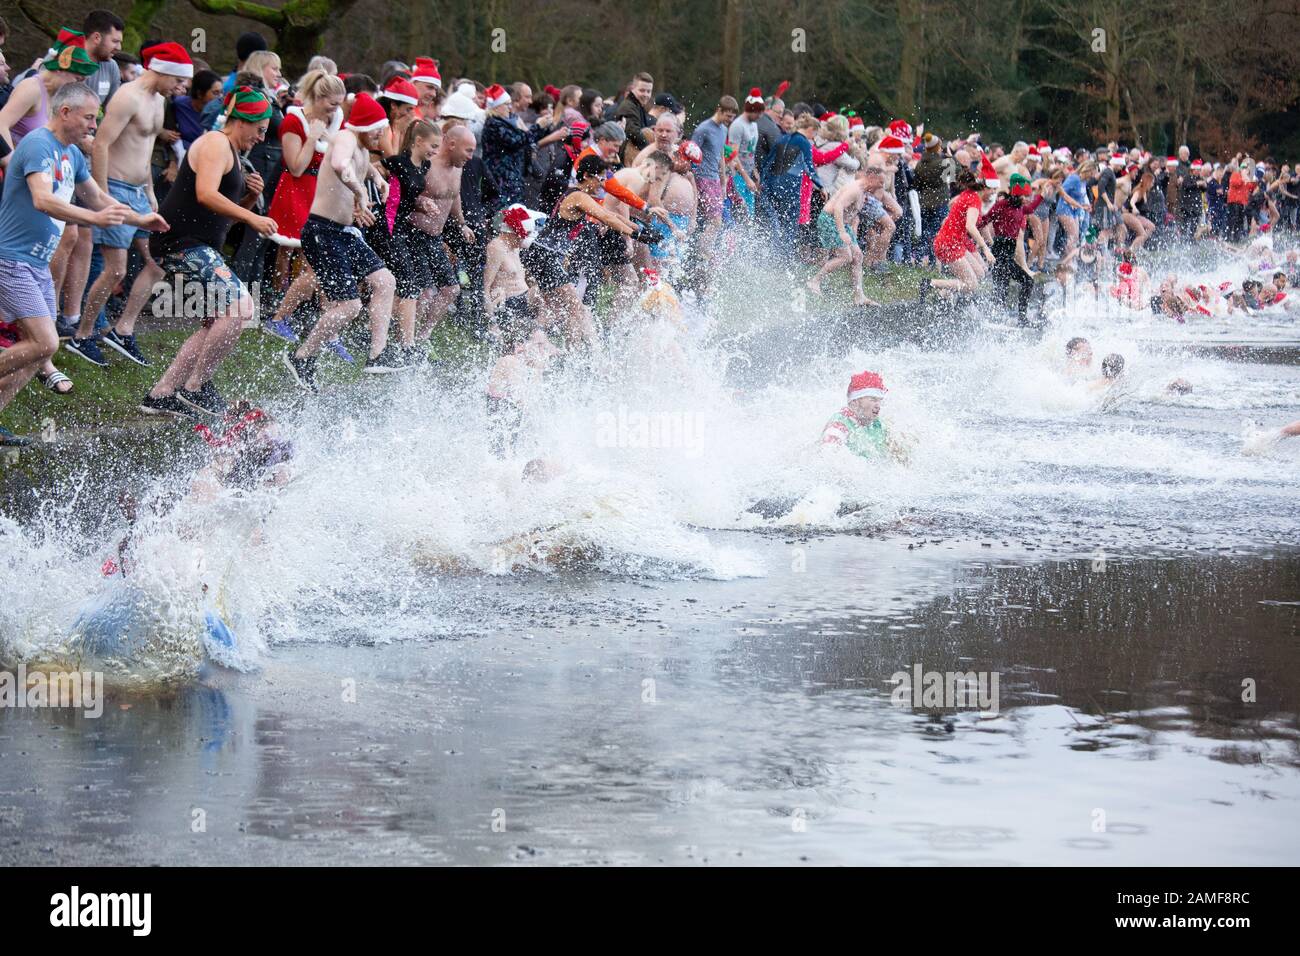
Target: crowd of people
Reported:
[(530, 215)]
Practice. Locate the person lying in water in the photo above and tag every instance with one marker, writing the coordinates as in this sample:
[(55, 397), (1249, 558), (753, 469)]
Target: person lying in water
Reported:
[(1112, 375), (857, 426)]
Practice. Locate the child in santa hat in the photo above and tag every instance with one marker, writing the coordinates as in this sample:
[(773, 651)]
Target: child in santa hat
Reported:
[(504, 284)]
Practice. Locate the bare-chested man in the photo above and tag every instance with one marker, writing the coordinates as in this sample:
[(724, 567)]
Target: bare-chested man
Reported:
[(336, 252), (647, 177), (440, 201), (677, 196), (504, 285), (666, 132), (837, 229), (123, 168), (881, 229)]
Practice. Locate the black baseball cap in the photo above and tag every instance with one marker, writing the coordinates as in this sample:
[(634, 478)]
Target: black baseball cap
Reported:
[(669, 102)]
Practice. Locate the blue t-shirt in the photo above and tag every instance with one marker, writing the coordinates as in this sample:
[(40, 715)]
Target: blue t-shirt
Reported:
[(1072, 187), (710, 137), (26, 234)]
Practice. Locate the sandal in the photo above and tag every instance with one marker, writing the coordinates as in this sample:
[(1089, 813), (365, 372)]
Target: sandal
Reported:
[(54, 380)]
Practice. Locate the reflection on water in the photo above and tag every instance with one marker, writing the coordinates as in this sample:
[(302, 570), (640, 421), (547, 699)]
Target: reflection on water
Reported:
[(724, 722)]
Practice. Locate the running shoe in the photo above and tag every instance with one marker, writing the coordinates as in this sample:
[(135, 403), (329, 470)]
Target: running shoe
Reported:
[(336, 346), (281, 329), (209, 405), (9, 440), (391, 359), (87, 349), (214, 398), (126, 345), (302, 370), (164, 406), (414, 355)]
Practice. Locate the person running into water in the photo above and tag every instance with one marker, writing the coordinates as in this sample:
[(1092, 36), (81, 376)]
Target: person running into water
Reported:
[(440, 200), (1007, 218), (210, 193), (408, 171), (959, 243), (513, 384), (122, 167), (837, 230), (45, 172), (566, 246), (857, 427), (337, 253), (504, 285), (305, 134)]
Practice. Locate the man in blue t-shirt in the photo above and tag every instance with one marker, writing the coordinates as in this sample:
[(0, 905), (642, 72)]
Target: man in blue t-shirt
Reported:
[(711, 137), (45, 173)]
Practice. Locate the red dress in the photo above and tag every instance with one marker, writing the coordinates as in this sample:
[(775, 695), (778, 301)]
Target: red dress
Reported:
[(952, 241), (294, 194)]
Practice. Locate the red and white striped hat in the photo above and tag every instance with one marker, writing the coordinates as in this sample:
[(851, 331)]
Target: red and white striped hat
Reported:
[(867, 385), (426, 71), (401, 91), (167, 58)]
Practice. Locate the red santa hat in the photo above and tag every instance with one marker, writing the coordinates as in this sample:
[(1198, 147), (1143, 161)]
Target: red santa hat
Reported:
[(902, 129), (426, 71), (855, 122), (520, 220), (690, 151), (867, 385), (755, 97), (554, 92), (1171, 160), (495, 95), (367, 116), (891, 144), (167, 58), (401, 91), (988, 174), (1197, 164)]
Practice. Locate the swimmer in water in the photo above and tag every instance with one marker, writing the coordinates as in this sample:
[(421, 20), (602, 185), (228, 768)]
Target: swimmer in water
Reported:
[(1078, 358), (857, 426), (1112, 374)]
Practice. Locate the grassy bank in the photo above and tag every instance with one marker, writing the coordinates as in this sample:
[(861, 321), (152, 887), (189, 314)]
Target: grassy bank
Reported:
[(109, 397)]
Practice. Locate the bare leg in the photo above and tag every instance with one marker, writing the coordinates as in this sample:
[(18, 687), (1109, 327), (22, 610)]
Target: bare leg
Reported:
[(78, 272), (19, 362), (141, 290), (406, 320), (382, 286), (204, 351), (433, 309), (332, 321), (114, 271), (301, 289)]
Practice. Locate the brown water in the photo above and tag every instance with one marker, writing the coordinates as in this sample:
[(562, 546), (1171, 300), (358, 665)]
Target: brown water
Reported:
[(767, 734)]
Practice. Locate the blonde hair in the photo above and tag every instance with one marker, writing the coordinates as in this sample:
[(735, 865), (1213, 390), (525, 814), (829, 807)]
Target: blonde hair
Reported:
[(836, 129), (258, 61), (318, 85)]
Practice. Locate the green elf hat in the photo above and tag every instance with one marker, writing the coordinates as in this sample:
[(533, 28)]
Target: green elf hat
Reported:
[(247, 104), (69, 55), (1019, 185)]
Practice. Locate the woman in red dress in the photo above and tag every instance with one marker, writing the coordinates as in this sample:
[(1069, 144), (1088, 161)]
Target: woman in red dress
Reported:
[(958, 244), (305, 133)]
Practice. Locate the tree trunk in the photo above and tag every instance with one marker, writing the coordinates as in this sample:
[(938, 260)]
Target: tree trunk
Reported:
[(138, 23), (911, 19), (731, 24)]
